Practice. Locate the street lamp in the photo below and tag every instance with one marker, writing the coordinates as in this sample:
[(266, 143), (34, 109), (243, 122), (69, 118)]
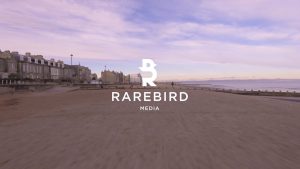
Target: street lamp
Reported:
[(72, 77), (71, 59)]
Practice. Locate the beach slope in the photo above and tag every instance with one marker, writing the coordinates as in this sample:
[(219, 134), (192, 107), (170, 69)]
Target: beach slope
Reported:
[(85, 129)]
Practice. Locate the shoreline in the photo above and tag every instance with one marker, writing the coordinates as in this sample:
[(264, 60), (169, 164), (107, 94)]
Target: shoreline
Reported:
[(161, 85), (244, 92)]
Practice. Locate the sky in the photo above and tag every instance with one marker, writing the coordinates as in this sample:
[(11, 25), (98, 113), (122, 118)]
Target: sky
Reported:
[(187, 39)]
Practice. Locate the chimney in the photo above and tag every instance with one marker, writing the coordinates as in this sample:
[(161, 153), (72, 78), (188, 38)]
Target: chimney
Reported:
[(21, 58)]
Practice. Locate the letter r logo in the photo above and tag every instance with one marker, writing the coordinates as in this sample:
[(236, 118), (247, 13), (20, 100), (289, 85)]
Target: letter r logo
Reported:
[(148, 66)]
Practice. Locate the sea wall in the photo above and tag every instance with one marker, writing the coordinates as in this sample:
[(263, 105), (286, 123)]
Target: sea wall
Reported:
[(4, 90)]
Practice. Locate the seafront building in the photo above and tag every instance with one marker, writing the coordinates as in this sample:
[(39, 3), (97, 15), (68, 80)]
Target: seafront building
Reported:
[(114, 77), (8, 65), (135, 78), (28, 67), (94, 76), (36, 68), (80, 73)]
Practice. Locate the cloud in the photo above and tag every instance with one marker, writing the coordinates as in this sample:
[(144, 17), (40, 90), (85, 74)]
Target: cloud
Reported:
[(253, 33), (89, 27), (192, 30), (270, 10)]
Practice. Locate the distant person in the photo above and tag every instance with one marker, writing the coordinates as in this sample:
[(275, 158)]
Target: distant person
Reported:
[(172, 84)]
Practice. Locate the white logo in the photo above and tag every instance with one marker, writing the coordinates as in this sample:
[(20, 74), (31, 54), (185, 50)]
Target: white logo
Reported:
[(148, 66)]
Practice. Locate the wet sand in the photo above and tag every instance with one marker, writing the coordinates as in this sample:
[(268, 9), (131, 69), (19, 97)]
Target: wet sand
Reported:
[(66, 128)]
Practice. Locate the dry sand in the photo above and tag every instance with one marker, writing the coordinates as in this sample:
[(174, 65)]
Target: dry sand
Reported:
[(83, 129)]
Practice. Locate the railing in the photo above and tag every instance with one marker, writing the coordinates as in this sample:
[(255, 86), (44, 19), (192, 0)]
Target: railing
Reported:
[(6, 82)]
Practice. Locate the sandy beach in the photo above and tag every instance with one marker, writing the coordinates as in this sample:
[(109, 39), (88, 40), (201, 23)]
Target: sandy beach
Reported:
[(66, 128)]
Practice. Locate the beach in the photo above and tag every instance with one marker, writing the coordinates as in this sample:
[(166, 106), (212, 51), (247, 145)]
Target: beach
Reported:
[(70, 128)]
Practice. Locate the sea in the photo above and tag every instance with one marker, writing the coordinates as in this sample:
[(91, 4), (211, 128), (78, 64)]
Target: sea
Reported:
[(291, 85)]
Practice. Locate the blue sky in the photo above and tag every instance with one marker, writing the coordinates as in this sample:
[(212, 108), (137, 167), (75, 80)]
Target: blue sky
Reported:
[(188, 39)]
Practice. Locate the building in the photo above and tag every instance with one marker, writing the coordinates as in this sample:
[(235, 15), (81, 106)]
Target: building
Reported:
[(126, 79), (30, 67), (94, 76), (135, 78), (69, 73), (56, 69), (79, 73), (8, 65), (3, 72), (112, 77), (84, 74)]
